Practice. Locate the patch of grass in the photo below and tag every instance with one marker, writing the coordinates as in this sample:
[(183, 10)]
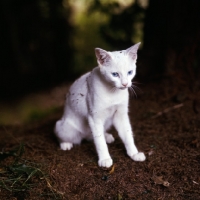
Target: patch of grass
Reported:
[(19, 175)]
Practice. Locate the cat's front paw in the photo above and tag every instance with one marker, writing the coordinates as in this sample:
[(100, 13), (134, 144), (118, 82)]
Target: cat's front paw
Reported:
[(66, 146), (105, 163), (139, 157)]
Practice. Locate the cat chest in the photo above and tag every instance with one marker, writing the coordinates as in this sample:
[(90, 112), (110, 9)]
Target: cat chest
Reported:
[(112, 110), (109, 112)]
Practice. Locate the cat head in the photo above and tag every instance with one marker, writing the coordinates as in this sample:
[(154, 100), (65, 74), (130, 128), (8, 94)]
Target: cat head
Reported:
[(118, 67)]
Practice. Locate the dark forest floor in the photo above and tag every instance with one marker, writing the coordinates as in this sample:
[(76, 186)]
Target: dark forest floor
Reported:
[(169, 139)]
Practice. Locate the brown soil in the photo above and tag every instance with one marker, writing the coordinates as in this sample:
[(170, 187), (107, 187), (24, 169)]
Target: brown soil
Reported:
[(170, 140)]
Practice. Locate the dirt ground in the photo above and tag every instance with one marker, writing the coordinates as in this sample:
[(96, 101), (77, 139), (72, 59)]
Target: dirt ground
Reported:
[(166, 123)]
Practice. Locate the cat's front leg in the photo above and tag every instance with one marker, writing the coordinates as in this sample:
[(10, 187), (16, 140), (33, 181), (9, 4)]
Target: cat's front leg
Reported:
[(97, 128), (122, 125)]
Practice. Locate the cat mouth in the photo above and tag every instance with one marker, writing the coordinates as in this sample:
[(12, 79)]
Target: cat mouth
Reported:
[(123, 88)]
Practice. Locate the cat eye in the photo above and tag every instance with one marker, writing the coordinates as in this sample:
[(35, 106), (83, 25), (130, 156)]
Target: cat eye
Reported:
[(130, 72), (115, 74)]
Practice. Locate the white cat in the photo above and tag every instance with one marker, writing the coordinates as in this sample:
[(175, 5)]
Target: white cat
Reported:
[(98, 100)]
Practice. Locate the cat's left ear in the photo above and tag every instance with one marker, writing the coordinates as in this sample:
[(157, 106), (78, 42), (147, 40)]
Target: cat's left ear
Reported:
[(132, 51), (103, 57)]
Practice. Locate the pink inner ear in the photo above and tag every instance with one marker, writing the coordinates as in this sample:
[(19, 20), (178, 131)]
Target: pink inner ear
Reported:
[(102, 56), (132, 51), (133, 55)]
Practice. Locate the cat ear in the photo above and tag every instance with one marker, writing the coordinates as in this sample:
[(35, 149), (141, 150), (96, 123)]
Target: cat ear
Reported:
[(103, 57), (132, 51)]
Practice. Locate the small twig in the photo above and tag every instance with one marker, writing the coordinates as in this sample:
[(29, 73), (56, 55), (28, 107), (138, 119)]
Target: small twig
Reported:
[(167, 110), (52, 188)]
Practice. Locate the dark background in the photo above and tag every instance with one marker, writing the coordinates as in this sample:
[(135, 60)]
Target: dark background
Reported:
[(42, 46)]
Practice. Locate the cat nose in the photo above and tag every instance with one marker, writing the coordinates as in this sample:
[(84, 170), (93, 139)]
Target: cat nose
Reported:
[(124, 84)]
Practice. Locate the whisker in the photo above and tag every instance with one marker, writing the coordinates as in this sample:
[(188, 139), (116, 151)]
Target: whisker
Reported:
[(133, 92), (135, 82), (136, 87), (130, 91)]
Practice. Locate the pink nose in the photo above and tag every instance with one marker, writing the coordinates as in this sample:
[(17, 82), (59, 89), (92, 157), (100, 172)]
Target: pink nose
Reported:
[(124, 84)]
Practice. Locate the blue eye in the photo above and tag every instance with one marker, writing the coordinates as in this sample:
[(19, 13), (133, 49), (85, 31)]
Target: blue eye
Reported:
[(115, 74), (130, 72)]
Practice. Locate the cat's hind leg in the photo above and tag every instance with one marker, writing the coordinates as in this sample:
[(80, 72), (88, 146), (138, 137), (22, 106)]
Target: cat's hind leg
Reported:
[(109, 138), (67, 134)]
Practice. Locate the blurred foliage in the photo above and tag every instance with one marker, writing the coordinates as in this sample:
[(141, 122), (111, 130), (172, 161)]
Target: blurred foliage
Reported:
[(28, 110), (25, 113), (86, 35), (110, 25), (125, 24), (39, 114)]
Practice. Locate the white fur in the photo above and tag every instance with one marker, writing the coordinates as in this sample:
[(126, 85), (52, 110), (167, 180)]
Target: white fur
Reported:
[(98, 100)]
